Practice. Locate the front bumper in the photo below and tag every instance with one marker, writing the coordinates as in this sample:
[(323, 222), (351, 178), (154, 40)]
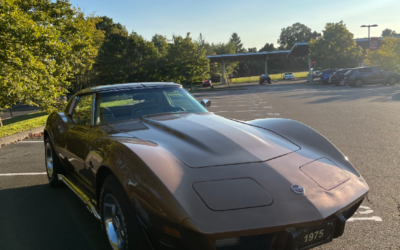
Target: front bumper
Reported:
[(288, 237)]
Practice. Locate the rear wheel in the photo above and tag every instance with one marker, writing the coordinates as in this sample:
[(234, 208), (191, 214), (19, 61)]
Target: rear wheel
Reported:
[(53, 164), (121, 225), (358, 83), (392, 81)]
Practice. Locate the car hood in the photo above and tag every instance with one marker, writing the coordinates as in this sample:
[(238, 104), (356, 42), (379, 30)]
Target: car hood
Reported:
[(203, 140)]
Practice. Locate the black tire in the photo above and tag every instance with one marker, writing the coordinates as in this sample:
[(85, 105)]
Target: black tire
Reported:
[(392, 81), (114, 198), (269, 82), (337, 83), (325, 82), (53, 164), (358, 82)]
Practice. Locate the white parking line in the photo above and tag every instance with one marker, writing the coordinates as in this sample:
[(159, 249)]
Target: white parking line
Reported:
[(15, 174), (29, 141), (365, 210), (373, 218)]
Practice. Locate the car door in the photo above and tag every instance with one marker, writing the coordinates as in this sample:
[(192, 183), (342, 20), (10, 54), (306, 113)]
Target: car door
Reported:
[(366, 75), (78, 134), (378, 75)]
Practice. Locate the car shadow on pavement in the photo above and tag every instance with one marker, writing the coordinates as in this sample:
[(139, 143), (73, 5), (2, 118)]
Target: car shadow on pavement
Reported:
[(41, 217)]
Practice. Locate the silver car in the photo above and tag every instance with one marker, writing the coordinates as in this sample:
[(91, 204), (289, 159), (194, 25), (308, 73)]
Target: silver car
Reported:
[(288, 76)]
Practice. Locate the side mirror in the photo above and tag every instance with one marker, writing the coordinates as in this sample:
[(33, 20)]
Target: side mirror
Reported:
[(206, 103)]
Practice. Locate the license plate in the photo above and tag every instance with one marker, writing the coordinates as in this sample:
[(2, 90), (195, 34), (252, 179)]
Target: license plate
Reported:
[(314, 236)]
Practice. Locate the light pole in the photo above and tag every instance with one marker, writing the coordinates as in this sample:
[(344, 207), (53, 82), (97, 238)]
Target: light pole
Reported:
[(369, 26)]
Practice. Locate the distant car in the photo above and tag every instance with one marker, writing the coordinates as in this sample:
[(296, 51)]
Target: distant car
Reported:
[(367, 75), (317, 73), (207, 83), (337, 77), (288, 76), (324, 77), (265, 78)]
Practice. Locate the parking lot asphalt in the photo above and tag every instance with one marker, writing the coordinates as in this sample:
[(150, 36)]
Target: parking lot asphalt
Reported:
[(362, 122)]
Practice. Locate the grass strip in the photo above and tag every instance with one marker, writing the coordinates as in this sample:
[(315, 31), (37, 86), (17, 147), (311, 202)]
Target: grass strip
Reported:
[(23, 123)]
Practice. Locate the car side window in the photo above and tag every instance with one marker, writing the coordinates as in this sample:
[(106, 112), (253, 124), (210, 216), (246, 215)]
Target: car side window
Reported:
[(376, 71), (367, 70), (82, 111)]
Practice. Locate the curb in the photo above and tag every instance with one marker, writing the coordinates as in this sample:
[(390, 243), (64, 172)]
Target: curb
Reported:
[(19, 136)]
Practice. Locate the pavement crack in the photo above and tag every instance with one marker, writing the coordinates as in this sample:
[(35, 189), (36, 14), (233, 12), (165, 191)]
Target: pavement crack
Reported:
[(369, 200), (398, 204)]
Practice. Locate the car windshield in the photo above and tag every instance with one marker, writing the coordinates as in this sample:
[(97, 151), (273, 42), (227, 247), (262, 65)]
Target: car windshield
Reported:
[(350, 72), (288, 73), (132, 104)]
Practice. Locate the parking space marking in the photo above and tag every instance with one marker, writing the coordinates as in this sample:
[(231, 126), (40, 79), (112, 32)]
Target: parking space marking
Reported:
[(373, 218), (365, 210), (29, 141), (15, 174)]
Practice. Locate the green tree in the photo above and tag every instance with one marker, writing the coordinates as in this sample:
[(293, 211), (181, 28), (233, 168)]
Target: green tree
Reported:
[(40, 50), (185, 61), (296, 33), (161, 43), (336, 49), (142, 60), (389, 32), (388, 55), (235, 39), (109, 67), (216, 68), (86, 41), (267, 47)]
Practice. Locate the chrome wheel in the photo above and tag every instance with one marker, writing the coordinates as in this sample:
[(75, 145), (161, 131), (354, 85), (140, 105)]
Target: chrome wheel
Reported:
[(49, 160), (114, 222)]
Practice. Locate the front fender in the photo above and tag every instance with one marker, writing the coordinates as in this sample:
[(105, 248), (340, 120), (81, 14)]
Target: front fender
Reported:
[(308, 139)]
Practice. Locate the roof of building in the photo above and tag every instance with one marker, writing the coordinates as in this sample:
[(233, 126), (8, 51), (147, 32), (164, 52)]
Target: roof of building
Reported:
[(249, 56), (300, 49)]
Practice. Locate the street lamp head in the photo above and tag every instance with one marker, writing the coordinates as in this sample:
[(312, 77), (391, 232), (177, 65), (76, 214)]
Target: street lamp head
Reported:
[(374, 25)]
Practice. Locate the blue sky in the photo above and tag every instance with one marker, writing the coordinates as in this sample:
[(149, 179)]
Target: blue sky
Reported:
[(256, 21)]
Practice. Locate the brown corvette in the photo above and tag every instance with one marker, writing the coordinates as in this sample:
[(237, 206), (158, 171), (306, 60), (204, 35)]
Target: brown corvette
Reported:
[(160, 171)]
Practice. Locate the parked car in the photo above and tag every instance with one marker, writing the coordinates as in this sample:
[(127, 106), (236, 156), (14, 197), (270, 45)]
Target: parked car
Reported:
[(265, 79), (288, 76), (337, 77), (207, 83), (324, 77), (317, 73), (150, 162), (366, 75)]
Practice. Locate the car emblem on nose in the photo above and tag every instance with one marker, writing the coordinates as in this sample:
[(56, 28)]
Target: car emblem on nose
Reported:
[(297, 189)]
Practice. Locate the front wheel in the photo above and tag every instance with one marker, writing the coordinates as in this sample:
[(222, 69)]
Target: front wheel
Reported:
[(53, 164), (121, 225)]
